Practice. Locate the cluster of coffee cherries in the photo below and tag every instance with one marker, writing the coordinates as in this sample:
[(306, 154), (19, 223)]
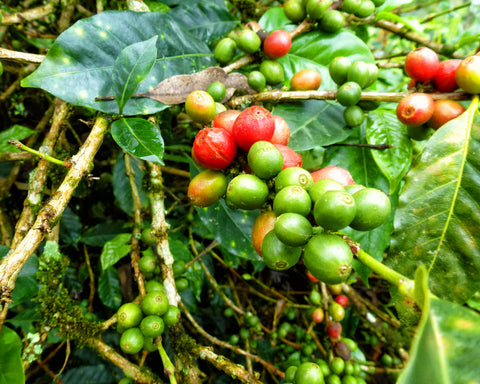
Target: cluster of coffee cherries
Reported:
[(418, 111), (301, 210)]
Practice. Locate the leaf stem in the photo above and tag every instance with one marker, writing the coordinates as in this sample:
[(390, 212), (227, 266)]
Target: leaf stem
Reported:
[(168, 367), (404, 284), (23, 147)]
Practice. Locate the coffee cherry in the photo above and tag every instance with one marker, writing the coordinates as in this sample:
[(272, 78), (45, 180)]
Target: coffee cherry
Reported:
[(152, 326), (225, 120), (318, 315), (444, 79), (172, 316), (257, 81), (315, 297), (293, 176), (373, 209), (253, 124), (368, 105), (444, 111), (323, 185), (147, 263), (372, 75), (131, 341), (263, 224), (294, 10), (316, 8), (421, 64), (273, 71), (349, 379), (265, 160), (293, 199), (415, 109), (129, 315), (339, 174), (246, 192), (342, 300), (467, 74), (178, 268), (333, 379), (281, 135), (334, 210), (310, 277), (378, 3), (359, 72), (306, 80), (338, 69), (207, 188), (353, 116), (225, 50), (154, 286), (309, 373), (248, 41), (215, 148), (336, 311), (334, 330), (290, 157), (234, 339), (277, 44), (277, 255), (350, 6), (253, 25), (200, 106), (147, 236), (155, 303), (329, 258), (181, 284), (365, 9), (342, 350), (290, 374), (217, 90), (337, 365), (335, 289), (293, 229), (332, 21), (349, 93)]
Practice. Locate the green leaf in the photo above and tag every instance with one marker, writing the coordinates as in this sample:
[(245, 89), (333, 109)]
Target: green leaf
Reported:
[(383, 127), (26, 286), (115, 249), (275, 19), (131, 67), (70, 227), (121, 185), (109, 290), (99, 234), (206, 20), (78, 67), (313, 123), (98, 374), (140, 138), (16, 132), (11, 367), (437, 222), (445, 349)]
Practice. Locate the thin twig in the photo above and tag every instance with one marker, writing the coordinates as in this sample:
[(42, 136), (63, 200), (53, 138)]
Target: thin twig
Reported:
[(29, 15)]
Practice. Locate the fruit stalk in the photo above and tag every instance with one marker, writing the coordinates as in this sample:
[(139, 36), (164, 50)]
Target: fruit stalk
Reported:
[(168, 367), (404, 284)]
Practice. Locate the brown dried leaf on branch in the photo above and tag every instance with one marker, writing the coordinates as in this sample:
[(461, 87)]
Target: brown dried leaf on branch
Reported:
[(175, 89)]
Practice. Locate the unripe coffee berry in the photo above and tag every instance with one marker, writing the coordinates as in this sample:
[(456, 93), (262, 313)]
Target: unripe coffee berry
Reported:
[(246, 192), (225, 50), (207, 188), (200, 106), (467, 74), (265, 160)]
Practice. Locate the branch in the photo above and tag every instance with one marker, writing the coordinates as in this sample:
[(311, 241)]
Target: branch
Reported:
[(21, 57), (28, 15)]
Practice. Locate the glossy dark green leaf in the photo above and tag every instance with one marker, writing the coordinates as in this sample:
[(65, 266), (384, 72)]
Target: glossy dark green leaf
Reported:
[(437, 222), (140, 138), (78, 67), (11, 367), (115, 249), (275, 19), (70, 227), (26, 286), (121, 185), (206, 20), (445, 349), (109, 290), (17, 132), (383, 127), (313, 123), (99, 234), (131, 67), (98, 374)]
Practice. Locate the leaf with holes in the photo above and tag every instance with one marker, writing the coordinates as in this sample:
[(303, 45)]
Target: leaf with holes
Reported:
[(437, 222), (131, 67), (383, 127), (79, 66), (140, 138)]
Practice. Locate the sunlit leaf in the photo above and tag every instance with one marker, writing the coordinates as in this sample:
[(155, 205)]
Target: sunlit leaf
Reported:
[(16, 132), (11, 367), (115, 249), (109, 290)]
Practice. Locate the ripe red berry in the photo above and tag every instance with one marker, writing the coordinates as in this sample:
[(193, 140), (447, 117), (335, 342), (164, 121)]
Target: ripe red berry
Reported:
[(339, 174), (306, 80), (277, 44), (312, 278), (334, 330), (225, 119), (214, 148), (444, 79), (415, 109), (318, 315), (421, 64), (281, 135), (290, 157), (444, 111), (342, 300), (253, 124)]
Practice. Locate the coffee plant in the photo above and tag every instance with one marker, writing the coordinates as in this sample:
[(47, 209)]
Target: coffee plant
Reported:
[(240, 191)]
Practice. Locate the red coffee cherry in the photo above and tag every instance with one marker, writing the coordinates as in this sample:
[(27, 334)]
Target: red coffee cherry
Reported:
[(334, 330), (421, 64), (339, 174), (318, 315), (264, 223), (225, 119), (290, 157), (306, 80), (215, 148), (253, 124), (312, 278), (342, 300), (277, 44), (444, 79), (207, 188), (444, 111), (415, 109), (281, 135)]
